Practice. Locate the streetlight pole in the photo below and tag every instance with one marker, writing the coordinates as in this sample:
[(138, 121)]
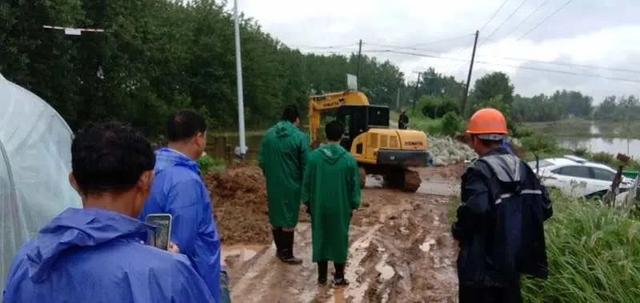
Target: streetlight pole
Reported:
[(241, 133)]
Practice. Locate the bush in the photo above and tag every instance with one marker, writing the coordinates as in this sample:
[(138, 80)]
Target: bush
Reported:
[(210, 164), (603, 158), (452, 124), (437, 107), (594, 255)]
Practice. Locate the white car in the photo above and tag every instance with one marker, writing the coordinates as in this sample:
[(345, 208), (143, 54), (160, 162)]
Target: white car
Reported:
[(578, 177)]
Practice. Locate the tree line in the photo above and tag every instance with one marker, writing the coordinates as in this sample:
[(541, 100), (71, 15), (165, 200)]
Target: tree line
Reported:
[(157, 56), (440, 94)]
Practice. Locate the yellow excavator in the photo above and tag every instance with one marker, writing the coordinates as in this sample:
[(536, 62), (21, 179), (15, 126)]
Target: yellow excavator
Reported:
[(377, 148)]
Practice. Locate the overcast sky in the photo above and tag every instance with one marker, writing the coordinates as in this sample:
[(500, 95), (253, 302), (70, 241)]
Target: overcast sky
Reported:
[(598, 33)]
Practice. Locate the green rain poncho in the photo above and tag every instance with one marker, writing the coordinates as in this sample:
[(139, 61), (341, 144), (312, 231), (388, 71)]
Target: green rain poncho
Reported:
[(282, 157), (331, 190)]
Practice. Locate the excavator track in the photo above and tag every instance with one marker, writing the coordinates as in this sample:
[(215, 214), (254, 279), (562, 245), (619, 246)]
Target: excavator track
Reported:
[(411, 180), (404, 179)]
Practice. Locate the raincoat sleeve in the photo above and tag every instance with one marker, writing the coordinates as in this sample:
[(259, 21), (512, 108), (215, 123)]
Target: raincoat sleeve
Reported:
[(474, 206), (304, 152), (188, 208), (307, 184), (354, 184)]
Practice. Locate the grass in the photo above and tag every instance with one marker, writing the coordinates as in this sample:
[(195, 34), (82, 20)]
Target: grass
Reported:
[(594, 255)]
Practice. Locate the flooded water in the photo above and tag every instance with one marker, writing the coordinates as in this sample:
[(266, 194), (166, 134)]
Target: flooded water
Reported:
[(614, 146)]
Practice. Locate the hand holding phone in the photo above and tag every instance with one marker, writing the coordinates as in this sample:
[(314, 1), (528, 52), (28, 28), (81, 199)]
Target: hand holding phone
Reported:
[(160, 237)]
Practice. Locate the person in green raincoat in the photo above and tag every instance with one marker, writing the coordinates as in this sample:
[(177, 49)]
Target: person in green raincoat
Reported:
[(331, 191), (283, 154)]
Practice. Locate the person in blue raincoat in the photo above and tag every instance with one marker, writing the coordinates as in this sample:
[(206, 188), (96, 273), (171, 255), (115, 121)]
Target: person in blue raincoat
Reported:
[(96, 254), (178, 189)]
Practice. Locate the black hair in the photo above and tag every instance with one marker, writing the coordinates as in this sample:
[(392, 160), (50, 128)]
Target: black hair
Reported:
[(184, 125), (109, 156), (290, 113), (334, 130)]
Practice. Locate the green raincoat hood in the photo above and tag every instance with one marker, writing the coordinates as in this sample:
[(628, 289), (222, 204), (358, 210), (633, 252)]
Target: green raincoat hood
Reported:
[(284, 128), (331, 153)]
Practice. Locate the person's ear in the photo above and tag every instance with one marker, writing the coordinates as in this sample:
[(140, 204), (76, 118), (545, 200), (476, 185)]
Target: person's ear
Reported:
[(74, 183), (201, 139), (145, 181)]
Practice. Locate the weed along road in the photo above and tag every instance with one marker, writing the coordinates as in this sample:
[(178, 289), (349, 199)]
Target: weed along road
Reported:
[(401, 249)]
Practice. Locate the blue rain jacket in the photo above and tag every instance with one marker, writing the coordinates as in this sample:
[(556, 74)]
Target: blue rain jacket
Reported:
[(178, 189), (95, 255)]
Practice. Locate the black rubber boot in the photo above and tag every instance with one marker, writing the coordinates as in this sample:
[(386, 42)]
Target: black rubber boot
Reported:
[(277, 239), (338, 278), (287, 248), (322, 272)]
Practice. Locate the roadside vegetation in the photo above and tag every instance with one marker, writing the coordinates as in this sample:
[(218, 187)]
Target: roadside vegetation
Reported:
[(594, 255), (209, 164)]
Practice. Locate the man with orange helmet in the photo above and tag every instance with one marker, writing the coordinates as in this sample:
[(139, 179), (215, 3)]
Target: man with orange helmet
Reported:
[(499, 223)]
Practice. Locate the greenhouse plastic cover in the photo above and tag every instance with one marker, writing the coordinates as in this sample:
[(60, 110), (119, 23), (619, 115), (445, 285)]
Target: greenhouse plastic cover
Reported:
[(35, 161)]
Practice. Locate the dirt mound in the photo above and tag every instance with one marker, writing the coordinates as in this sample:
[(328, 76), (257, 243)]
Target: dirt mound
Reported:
[(240, 205)]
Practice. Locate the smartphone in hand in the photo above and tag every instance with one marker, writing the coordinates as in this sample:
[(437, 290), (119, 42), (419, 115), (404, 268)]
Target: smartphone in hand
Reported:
[(160, 237)]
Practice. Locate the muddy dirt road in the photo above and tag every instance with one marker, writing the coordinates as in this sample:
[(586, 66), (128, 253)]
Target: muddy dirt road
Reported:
[(401, 248)]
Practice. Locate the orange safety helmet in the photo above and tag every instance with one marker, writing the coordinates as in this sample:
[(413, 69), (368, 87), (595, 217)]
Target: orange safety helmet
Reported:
[(487, 121)]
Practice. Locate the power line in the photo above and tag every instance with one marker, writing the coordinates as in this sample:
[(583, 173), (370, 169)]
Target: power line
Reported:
[(325, 47), (508, 65), (443, 40), (494, 15), (533, 12), (545, 19), (435, 54), (560, 63), (417, 46), (505, 20)]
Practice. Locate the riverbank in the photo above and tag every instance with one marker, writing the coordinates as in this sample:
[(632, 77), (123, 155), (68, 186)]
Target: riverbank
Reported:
[(587, 128)]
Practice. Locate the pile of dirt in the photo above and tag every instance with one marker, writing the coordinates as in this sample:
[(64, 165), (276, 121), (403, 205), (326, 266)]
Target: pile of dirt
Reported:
[(240, 205)]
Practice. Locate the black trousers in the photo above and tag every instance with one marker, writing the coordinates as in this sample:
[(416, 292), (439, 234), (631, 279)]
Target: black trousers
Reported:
[(508, 294)]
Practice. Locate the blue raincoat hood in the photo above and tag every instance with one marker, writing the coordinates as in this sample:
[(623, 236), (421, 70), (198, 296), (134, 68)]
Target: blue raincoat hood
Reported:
[(78, 228)]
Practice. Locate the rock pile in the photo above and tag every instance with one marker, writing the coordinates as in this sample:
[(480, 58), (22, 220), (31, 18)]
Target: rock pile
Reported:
[(447, 151)]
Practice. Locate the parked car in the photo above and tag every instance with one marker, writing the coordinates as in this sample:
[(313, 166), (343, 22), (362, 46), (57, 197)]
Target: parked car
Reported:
[(578, 177), (630, 197)]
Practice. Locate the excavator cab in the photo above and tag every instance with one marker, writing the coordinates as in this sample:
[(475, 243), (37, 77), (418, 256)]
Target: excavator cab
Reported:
[(358, 119)]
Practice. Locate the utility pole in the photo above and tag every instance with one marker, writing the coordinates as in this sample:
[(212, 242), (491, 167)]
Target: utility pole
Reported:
[(398, 99), (415, 94), (466, 89), (358, 66), (241, 134)]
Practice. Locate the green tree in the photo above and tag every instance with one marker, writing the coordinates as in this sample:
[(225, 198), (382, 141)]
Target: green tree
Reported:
[(496, 87)]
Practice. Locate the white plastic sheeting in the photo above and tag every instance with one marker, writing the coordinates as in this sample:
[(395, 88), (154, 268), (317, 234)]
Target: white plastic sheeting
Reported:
[(35, 161)]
